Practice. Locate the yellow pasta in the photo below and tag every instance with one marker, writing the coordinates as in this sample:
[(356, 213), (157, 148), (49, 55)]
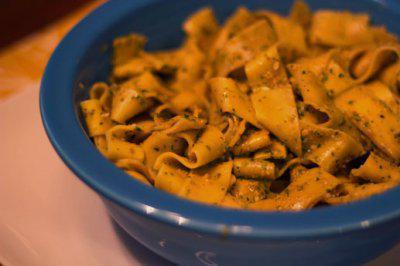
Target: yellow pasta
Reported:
[(231, 99), (119, 146), (241, 19), (304, 192), (247, 191), (374, 119), (254, 141), (127, 47), (372, 61), (377, 169), (328, 148), (134, 97), (134, 168), (253, 168), (205, 186), (262, 112), (301, 14), (244, 46), (159, 143), (336, 28), (276, 111), (97, 121), (291, 37), (202, 27), (351, 192), (276, 150), (211, 145)]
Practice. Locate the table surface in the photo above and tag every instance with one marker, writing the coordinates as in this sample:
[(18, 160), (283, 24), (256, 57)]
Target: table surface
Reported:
[(22, 63), (49, 217)]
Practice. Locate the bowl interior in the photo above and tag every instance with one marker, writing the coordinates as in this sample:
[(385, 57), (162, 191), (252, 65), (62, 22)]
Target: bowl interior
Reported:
[(161, 22), (83, 57)]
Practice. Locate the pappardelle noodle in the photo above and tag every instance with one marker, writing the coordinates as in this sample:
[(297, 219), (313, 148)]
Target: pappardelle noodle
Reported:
[(263, 112)]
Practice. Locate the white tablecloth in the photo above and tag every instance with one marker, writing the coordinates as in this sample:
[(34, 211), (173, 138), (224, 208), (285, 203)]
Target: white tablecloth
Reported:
[(48, 216)]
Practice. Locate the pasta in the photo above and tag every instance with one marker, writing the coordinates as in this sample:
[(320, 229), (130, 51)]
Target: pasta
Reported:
[(263, 112)]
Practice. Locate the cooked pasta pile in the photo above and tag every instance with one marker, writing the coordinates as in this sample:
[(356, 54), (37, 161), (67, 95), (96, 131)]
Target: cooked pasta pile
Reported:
[(264, 112)]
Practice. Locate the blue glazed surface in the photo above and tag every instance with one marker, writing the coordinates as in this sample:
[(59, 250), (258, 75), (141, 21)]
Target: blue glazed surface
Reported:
[(353, 233)]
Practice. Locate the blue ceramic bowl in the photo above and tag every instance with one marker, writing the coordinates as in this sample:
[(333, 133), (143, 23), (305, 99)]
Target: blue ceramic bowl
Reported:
[(187, 232)]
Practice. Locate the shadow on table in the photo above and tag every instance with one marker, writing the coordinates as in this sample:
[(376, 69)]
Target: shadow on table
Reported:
[(137, 250)]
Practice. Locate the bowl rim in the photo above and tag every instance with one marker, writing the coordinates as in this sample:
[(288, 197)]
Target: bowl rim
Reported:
[(79, 154)]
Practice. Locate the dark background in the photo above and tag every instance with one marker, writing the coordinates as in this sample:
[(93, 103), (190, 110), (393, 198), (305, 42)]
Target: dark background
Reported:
[(18, 18)]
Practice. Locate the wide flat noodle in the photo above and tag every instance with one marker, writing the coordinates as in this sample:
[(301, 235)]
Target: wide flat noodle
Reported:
[(180, 123), (102, 92), (97, 121), (390, 76), (273, 100), (335, 79), (127, 47), (381, 92), (163, 62), (276, 111), (171, 179), (253, 168), (205, 185), (211, 145), (328, 148), (276, 150), (266, 69), (340, 28), (210, 185), (304, 192), (234, 130), (229, 98), (301, 14), (192, 61), (136, 96), (317, 106), (159, 143), (101, 144), (290, 35), (191, 99), (377, 169), (118, 145), (202, 26), (373, 118), (314, 94), (247, 191), (353, 192), (372, 61), (239, 20), (230, 201), (136, 169), (252, 142), (244, 46)]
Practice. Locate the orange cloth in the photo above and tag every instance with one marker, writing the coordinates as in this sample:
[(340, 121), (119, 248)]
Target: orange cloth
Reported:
[(22, 64)]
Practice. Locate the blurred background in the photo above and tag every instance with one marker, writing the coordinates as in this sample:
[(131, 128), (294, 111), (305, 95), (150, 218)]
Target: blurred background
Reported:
[(22, 17), (30, 30)]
